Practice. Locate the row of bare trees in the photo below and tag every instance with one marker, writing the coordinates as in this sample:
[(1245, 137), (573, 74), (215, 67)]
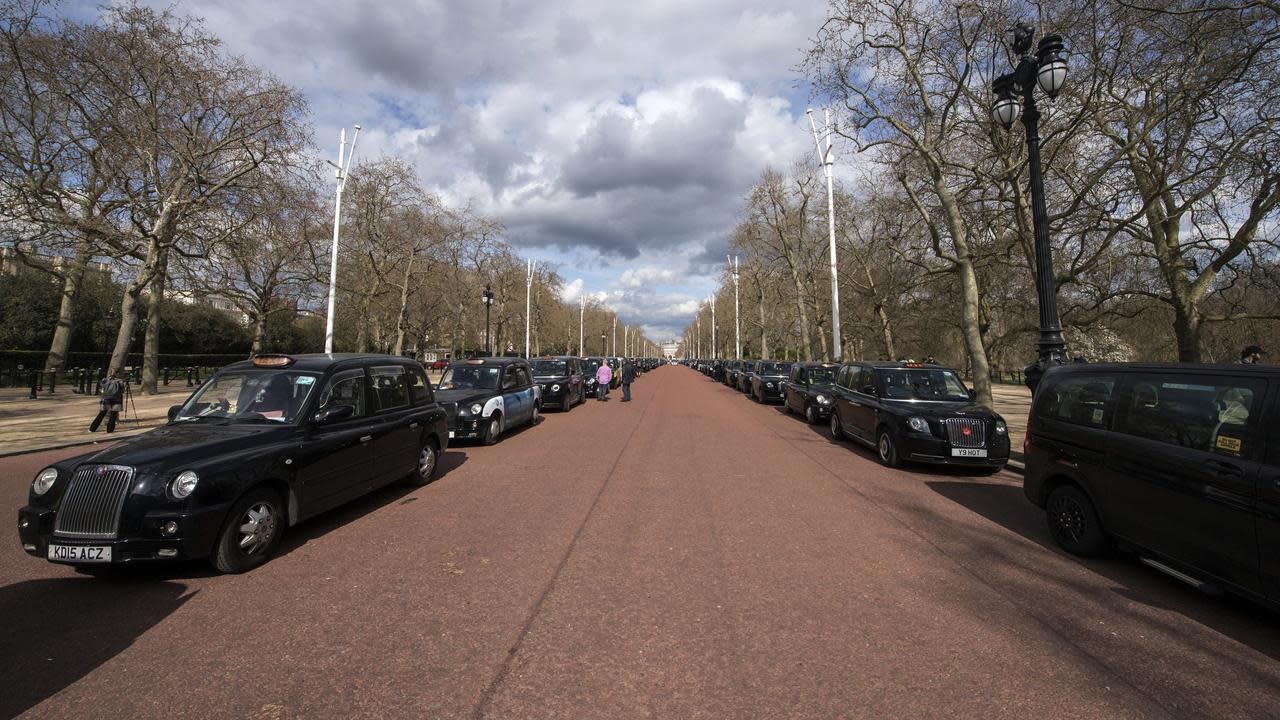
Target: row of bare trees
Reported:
[(1162, 168), (136, 140)]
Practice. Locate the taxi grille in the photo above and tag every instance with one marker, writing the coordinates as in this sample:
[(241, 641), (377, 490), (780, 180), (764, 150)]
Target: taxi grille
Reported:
[(91, 508), (957, 435)]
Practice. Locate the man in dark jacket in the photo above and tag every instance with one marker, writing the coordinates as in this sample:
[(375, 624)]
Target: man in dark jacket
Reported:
[(628, 376), (111, 403)]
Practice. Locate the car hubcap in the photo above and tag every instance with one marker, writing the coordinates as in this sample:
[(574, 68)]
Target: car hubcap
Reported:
[(427, 462), (884, 447), (835, 425), (1069, 519), (257, 528), (808, 415), (493, 428)]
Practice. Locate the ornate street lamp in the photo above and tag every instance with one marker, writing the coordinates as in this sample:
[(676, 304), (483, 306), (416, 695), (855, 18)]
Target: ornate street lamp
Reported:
[(487, 298), (1048, 69), (604, 344)]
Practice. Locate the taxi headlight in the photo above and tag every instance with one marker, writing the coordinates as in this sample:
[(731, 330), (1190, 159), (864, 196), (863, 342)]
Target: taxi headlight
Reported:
[(918, 424), (769, 385), (555, 388), (184, 484), (477, 409), (823, 400), (591, 381), (44, 481), (1001, 428)]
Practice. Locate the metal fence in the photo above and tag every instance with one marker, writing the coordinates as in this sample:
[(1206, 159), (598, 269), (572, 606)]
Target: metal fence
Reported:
[(83, 371)]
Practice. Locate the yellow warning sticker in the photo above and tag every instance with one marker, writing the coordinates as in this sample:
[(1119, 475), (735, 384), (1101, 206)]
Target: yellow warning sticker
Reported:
[(1229, 444)]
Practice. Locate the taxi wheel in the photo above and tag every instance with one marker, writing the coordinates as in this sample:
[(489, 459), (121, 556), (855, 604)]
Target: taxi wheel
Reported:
[(536, 417), (428, 459), (887, 449), (1073, 523), (810, 415), (492, 430), (837, 432), (252, 531)]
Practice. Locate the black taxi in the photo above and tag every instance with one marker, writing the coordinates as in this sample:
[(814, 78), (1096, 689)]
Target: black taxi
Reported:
[(916, 412), (260, 446), (767, 377), (808, 390), (561, 380), (489, 396)]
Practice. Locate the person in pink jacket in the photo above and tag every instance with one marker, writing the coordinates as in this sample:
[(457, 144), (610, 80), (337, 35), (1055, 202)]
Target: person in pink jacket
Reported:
[(604, 376)]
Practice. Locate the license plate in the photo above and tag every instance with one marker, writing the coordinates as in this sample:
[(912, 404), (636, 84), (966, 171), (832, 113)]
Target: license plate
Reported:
[(968, 452), (80, 553), (450, 434)]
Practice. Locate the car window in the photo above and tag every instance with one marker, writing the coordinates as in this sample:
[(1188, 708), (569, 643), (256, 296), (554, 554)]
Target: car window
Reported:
[(257, 395), (510, 379), (346, 388), (922, 384), (1084, 400), (389, 386), (1216, 415), (469, 377), (822, 375), (523, 376), (419, 388), (866, 377)]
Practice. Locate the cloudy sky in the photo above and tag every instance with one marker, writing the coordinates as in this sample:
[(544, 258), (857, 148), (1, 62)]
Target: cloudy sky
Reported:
[(615, 141)]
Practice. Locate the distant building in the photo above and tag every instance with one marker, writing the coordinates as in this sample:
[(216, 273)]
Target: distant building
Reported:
[(11, 264), (669, 349)]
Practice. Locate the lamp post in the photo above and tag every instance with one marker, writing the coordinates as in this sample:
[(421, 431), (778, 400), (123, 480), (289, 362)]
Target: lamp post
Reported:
[(528, 293), (715, 354), (582, 312), (341, 169), (1048, 69), (825, 159), (604, 343), (737, 337), (487, 297), (614, 331)]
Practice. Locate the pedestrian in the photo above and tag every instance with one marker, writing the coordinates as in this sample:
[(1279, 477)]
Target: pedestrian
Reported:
[(604, 376), (1251, 355), (111, 403), (628, 376)]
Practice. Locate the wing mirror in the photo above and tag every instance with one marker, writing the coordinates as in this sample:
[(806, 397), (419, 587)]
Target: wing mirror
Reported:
[(173, 412), (973, 394), (333, 414), (869, 389)]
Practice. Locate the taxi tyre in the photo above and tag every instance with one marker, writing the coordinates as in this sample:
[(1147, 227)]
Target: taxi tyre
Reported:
[(887, 449), (536, 417), (1073, 522), (227, 555), (810, 414), (428, 461), (837, 431), (492, 430)]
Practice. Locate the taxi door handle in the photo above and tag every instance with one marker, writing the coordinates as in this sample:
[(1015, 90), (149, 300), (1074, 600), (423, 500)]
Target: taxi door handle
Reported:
[(413, 424), (366, 438)]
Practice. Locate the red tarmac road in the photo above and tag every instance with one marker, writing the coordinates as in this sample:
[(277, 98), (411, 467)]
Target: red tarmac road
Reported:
[(686, 555)]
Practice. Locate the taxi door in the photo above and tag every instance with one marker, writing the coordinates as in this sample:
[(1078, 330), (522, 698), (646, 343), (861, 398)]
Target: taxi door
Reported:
[(1268, 507), (335, 461), (397, 439), (518, 395)]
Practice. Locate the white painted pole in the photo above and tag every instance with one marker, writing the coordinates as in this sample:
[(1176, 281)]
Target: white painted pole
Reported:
[(827, 161), (715, 353), (582, 312), (341, 174), (614, 337), (528, 293), (737, 336)]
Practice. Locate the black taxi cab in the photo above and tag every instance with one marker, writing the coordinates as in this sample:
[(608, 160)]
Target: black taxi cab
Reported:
[(260, 446), (561, 379), (489, 396), (808, 390), (916, 412), (767, 377)]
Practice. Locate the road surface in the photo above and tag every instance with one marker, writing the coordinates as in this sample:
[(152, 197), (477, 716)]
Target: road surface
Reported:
[(687, 555)]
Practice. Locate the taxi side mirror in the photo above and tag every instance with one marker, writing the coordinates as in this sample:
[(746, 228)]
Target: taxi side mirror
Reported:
[(973, 394), (333, 414), (869, 389), (173, 412)]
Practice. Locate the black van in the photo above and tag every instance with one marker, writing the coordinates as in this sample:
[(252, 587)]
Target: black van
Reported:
[(1178, 462)]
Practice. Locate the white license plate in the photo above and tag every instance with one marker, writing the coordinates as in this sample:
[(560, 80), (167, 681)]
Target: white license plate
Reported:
[(80, 553), (968, 452), (450, 434)]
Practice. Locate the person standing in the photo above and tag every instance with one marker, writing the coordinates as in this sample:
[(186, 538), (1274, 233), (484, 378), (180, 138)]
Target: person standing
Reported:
[(1251, 355), (111, 403), (628, 375), (604, 376)]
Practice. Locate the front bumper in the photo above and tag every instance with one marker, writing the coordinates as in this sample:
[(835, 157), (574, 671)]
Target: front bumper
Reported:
[(771, 395), (559, 400), (467, 428), (927, 449), (197, 532)]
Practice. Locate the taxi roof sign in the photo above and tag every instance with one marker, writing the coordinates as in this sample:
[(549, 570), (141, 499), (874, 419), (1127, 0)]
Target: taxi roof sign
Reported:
[(272, 361)]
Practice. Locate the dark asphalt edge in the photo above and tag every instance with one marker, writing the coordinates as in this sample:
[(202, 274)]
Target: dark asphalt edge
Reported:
[(486, 698), (1098, 662)]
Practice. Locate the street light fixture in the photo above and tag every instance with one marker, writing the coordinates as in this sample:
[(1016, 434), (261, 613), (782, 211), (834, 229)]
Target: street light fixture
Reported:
[(487, 298), (1048, 69), (341, 171), (604, 344), (737, 336), (825, 158)]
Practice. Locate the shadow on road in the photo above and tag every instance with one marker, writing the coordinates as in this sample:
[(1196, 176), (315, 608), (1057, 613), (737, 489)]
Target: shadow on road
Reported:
[(1239, 619), (57, 631)]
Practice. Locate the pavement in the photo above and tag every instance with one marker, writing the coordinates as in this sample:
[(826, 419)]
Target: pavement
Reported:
[(690, 554), (62, 419)]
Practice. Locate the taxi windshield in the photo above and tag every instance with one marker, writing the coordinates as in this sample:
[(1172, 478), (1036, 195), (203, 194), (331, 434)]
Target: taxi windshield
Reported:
[(462, 377), (257, 395), (822, 376), (548, 368), (922, 384), (775, 368), (589, 367)]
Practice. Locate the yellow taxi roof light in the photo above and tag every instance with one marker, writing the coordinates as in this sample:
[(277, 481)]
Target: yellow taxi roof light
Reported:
[(272, 361)]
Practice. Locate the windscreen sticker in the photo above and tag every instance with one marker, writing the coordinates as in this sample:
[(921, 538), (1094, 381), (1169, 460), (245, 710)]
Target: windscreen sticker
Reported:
[(1097, 416), (1230, 444), (304, 380)]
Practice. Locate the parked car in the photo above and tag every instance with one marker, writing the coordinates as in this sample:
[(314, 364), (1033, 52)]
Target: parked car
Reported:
[(767, 378), (490, 396), (808, 390), (260, 446), (746, 370), (915, 412), (561, 380), (589, 367), (1180, 463), (439, 364)]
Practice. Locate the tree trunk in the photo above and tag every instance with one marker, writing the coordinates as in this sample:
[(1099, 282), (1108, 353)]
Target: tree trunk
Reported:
[(822, 342), (1187, 323), (886, 332), (404, 306), (764, 329), (57, 358), (803, 312), (129, 309), (151, 341), (259, 331)]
